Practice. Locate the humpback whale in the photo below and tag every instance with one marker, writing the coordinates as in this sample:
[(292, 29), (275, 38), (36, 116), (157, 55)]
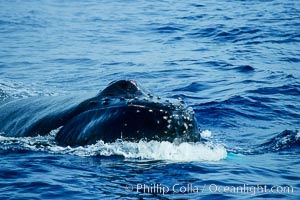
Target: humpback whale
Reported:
[(123, 110)]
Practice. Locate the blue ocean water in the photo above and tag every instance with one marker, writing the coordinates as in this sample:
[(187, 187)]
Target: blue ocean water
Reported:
[(235, 62)]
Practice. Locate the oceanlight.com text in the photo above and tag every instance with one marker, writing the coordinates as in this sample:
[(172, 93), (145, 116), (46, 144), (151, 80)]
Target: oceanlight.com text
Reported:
[(157, 188)]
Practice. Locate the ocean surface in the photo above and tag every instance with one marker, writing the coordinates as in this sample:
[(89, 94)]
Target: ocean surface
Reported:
[(236, 63)]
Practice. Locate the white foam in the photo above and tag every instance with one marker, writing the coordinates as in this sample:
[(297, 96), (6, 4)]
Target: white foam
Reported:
[(206, 134), (155, 150), (152, 150)]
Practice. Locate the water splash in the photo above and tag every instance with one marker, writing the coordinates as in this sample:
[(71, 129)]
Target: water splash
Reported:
[(152, 150), (206, 134)]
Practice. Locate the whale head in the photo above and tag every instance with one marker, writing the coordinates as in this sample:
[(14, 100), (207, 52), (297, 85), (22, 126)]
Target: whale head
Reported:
[(124, 110)]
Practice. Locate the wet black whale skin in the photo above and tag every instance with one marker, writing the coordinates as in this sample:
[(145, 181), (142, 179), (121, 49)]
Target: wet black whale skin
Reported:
[(123, 110)]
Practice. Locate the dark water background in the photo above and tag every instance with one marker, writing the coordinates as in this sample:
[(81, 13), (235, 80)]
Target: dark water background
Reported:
[(235, 62)]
